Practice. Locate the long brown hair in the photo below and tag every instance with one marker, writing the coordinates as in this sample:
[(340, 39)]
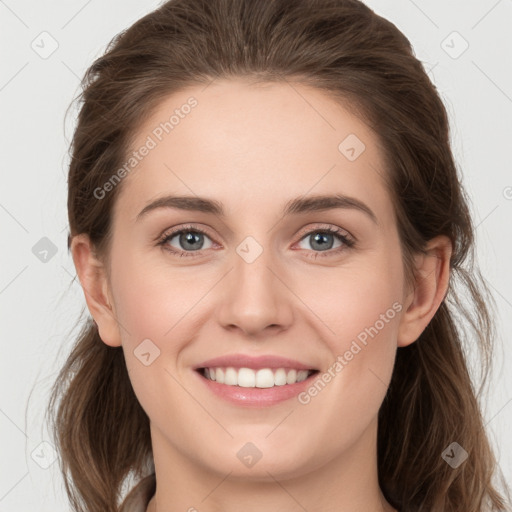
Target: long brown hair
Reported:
[(344, 49)]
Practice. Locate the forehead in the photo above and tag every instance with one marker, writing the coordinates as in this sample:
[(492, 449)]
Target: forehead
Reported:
[(243, 143)]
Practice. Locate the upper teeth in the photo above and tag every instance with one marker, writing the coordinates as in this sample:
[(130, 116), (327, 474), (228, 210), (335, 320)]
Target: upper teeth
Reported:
[(249, 378)]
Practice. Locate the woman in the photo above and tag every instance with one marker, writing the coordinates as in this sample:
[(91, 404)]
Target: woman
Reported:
[(268, 225)]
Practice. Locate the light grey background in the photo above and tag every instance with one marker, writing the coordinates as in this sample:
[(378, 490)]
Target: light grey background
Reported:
[(38, 303)]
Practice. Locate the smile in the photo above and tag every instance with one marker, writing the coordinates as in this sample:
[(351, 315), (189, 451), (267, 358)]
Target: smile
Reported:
[(261, 378)]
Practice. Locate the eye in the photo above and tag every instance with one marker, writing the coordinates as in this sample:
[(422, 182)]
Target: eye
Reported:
[(189, 239), (324, 239)]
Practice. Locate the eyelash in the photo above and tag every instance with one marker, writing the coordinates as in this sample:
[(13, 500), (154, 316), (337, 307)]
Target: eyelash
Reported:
[(348, 242)]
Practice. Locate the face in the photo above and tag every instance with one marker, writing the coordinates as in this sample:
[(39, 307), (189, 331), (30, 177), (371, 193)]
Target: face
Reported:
[(271, 273)]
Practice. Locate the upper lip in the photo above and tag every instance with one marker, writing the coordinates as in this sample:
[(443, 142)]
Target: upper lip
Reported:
[(256, 363)]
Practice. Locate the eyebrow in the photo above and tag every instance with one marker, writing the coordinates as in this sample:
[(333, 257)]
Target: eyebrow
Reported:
[(293, 207)]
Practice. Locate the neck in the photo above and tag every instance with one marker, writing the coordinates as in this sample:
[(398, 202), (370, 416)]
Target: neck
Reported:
[(345, 483)]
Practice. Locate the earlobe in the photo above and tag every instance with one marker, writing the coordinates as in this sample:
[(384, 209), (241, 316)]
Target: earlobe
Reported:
[(430, 288), (94, 282)]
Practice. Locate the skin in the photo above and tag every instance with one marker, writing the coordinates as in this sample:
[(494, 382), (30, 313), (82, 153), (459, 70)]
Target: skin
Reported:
[(253, 148)]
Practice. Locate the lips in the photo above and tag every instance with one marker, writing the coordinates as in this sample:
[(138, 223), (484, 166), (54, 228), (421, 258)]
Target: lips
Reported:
[(256, 363), (255, 381), (250, 381)]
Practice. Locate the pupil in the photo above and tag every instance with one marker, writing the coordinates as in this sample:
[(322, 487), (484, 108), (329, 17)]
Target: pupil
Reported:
[(189, 238), (320, 238)]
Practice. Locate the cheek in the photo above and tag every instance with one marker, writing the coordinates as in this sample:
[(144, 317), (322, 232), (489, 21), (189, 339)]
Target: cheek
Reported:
[(153, 306), (368, 319), (365, 345), (152, 300), (348, 301), (357, 316)]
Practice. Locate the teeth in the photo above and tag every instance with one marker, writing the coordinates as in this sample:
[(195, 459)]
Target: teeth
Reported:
[(264, 378), (280, 377), (218, 375), (249, 378), (302, 375), (291, 377), (231, 377)]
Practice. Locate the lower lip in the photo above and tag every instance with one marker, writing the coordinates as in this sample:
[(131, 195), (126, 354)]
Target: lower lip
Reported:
[(256, 397)]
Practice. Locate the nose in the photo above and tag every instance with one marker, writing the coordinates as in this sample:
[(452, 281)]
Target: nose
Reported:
[(255, 298)]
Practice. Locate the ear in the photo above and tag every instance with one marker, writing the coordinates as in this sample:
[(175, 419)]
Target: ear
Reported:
[(93, 278), (429, 290)]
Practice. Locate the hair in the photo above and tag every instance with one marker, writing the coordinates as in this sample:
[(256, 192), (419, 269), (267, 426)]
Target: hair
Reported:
[(340, 47)]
